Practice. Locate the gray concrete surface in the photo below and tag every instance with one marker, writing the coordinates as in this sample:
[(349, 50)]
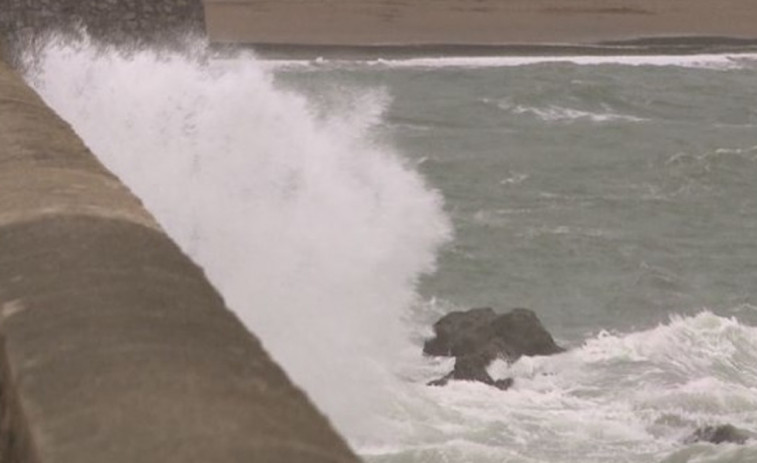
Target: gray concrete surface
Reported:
[(114, 346)]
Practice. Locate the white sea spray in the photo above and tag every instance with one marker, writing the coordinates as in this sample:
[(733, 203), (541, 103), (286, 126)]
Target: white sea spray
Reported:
[(314, 233)]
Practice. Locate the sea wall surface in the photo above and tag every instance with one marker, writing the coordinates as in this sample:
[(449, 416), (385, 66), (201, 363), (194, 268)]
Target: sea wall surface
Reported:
[(113, 345), (113, 21)]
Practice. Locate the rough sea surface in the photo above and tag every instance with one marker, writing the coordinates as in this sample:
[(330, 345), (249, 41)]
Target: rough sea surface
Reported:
[(342, 206)]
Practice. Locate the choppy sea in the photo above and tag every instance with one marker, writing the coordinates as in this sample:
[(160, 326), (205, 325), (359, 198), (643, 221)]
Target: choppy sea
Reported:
[(342, 205)]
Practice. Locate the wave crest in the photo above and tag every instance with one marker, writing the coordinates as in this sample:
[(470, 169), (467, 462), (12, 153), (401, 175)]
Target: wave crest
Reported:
[(314, 233)]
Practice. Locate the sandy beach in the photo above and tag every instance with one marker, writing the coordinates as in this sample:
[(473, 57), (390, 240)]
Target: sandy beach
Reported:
[(474, 22)]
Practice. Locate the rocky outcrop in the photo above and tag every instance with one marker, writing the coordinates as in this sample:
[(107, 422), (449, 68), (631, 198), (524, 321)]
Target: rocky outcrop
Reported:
[(476, 337), (510, 335), (725, 433)]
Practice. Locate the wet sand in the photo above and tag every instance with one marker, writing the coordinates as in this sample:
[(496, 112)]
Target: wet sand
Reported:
[(481, 23)]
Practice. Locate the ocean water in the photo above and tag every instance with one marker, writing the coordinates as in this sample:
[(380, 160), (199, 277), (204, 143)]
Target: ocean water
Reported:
[(342, 206)]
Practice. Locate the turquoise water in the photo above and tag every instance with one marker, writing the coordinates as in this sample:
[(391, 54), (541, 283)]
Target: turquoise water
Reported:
[(351, 203), (603, 196)]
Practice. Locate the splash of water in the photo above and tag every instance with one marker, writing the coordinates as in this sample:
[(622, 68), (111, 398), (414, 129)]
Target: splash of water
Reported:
[(314, 232)]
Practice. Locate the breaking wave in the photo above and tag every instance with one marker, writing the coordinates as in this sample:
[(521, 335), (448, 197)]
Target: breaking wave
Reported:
[(630, 397), (314, 232)]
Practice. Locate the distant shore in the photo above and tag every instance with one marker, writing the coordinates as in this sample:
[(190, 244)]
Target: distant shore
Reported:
[(641, 47), (466, 26)]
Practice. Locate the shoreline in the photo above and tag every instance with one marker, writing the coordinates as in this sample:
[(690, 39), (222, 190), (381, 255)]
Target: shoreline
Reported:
[(642, 46), (484, 26)]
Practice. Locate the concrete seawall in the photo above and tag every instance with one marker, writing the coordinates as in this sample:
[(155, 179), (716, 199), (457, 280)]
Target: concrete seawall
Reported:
[(114, 346)]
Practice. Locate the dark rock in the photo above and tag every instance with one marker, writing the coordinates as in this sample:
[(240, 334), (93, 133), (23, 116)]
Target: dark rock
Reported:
[(719, 434), (473, 368), (503, 384), (453, 330), (520, 332), (483, 331), (478, 336)]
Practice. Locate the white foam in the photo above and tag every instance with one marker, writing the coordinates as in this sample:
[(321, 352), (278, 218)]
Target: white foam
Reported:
[(554, 113), (313, 232), (619, 397), (709, 61)]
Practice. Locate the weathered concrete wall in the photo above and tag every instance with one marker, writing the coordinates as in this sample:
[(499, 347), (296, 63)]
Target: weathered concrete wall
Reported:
[(113, 345), (114, 21)]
